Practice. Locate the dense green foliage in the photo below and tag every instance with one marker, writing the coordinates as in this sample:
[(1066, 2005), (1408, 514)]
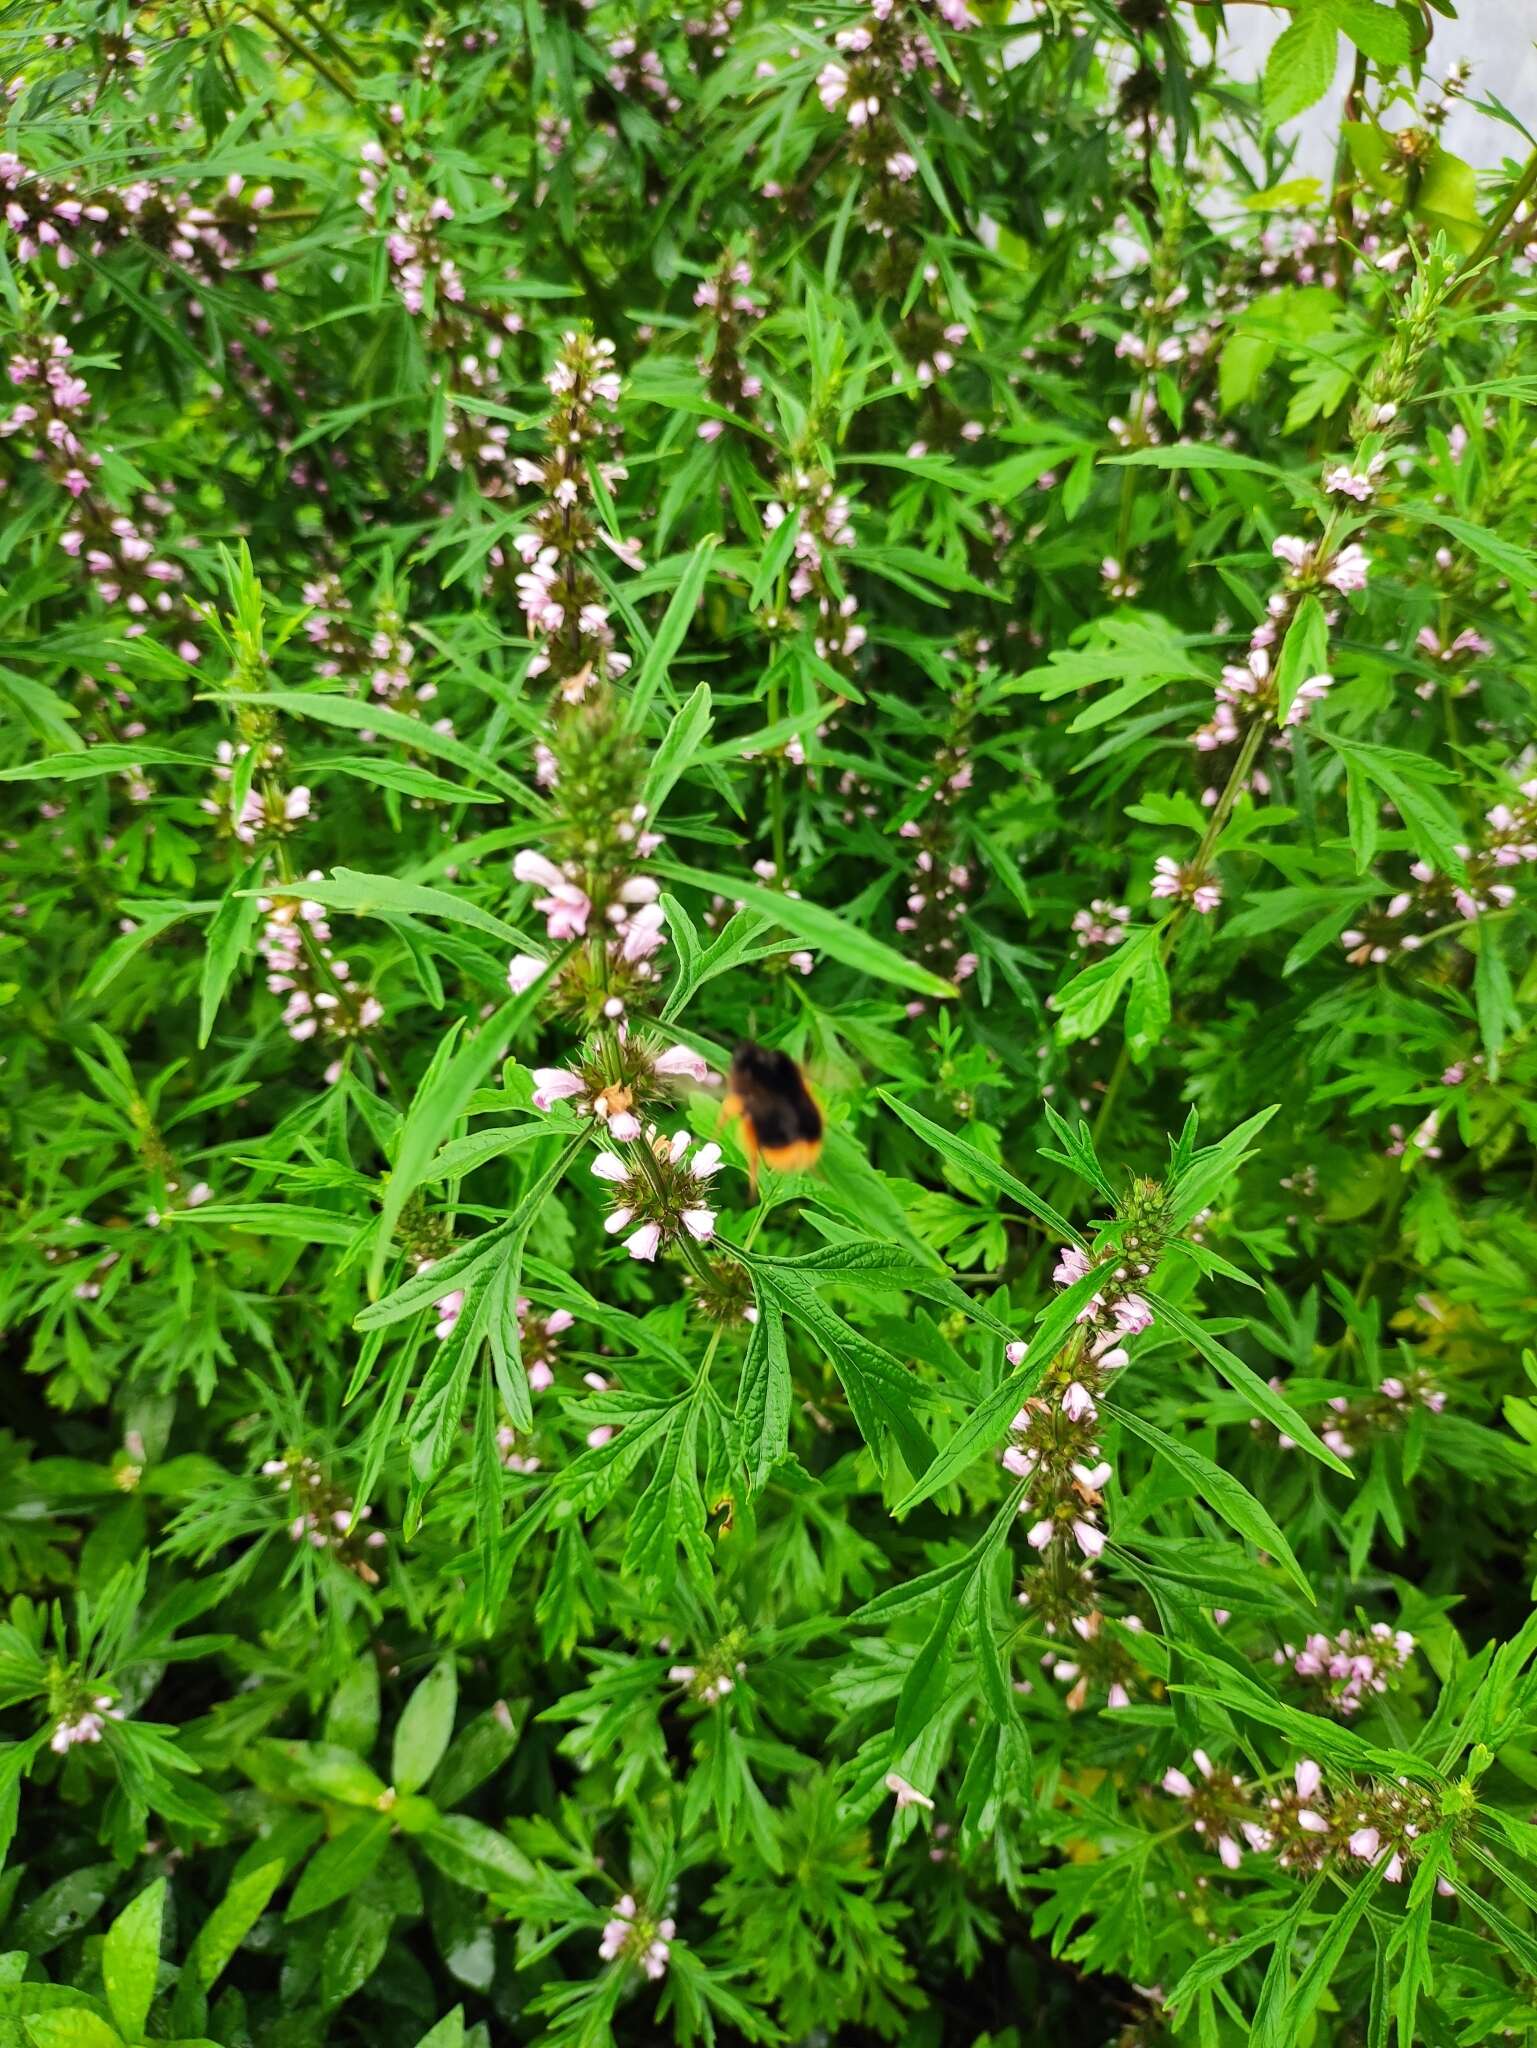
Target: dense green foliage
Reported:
[(539, 543)]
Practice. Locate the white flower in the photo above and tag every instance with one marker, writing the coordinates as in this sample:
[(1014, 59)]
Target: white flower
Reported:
[(906, 1794), (523, 970)]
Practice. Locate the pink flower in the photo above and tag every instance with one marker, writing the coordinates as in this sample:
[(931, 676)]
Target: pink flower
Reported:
[(1344, 482), (1071, 1265), (1176, 1782), (1167, 878), (565, 906), (1308, 1779), (832, 84), (1041, 1533), (1078, 1403), (644, 1243), (1308, 693), (1229, 1851), (1348, 570), (617, 1931), (1118, 1696), (1014, 1353), (679, 1061), (643, 934), (1365, 1843), (555, 1084), (1091, 1541)]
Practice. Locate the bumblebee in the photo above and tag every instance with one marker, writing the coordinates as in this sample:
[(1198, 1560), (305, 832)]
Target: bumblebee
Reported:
[(779, 1117)]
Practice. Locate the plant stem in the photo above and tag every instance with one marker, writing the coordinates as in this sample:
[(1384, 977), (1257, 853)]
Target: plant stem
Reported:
[(776, 787), (316, 62)]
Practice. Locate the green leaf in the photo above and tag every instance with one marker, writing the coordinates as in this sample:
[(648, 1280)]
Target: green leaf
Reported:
[(1090, 999), (408, 777), (763, 1395), (670, 1512), (269, 1219), (228, 936), (1301, 64), (1381, 32), (1225, 1495), (1518, 565), (130, 1960), (232, 1920), (814, 926), (1187, 455), (448, 2033), (979, 1167), (388, 896), (984, 1431), (1208, 1172), (425, 1727), (1406, 781), (76, 2027), (416, 735), (1499, 1014), (442, 1094), (1448, 199), (931, 1674), (738, 945), (669, 636), (1304, 653), (340, 1865), (683, 740), (1325, 1960), (473, 1855), (881, 1267), (1259, 1394), (352, 1712), (881, 1391), (107, 759), (1149, 1006)]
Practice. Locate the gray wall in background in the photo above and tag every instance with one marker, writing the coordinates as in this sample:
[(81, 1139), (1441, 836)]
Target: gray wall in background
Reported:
[(1497, 37)]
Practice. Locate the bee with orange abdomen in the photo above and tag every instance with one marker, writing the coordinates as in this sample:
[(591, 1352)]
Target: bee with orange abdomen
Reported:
[(780, 1120)]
